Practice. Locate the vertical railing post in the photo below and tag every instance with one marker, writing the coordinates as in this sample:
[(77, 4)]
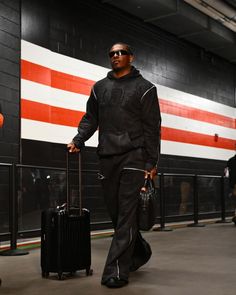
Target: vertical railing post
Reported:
[(162, 206), (222, 202), (13, 215), (195, 204), (14, 210)]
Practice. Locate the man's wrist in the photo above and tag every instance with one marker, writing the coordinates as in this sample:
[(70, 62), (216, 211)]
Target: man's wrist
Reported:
[(76, 144), (150, 166)]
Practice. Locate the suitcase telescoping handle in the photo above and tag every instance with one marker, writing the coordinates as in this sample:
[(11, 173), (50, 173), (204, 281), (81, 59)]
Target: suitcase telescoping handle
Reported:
[(80, 185), (67, 183)]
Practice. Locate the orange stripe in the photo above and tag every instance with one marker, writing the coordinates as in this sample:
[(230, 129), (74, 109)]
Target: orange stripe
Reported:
[(36, 73), (54, 115), (46, 76), (172, 134), (49, 114), (71, 83), (180, 110)]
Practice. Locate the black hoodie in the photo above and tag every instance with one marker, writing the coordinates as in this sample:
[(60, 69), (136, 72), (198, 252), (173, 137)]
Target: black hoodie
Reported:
[(126, 111)]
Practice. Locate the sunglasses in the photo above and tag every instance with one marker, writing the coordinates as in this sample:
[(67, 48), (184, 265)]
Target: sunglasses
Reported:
[(118, 53)]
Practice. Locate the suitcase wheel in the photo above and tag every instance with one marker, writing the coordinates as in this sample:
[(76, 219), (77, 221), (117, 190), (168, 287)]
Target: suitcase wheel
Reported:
[(45, 274), (89, 271)]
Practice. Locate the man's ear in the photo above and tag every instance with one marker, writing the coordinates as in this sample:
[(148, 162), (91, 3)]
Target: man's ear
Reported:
[(131, 58)]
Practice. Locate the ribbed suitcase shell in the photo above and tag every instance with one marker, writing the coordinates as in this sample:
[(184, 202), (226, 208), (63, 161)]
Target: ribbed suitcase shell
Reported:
[(65, 241)]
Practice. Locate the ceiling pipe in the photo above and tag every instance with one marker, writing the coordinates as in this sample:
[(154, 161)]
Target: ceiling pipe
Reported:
[(223, 8), (217, 10)]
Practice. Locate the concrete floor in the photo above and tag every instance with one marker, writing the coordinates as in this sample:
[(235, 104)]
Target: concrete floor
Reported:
[(186, 261)]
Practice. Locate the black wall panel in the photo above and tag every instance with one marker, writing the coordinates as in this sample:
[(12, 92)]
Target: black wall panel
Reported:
[(35, 22), (9, 99), (10, 79)]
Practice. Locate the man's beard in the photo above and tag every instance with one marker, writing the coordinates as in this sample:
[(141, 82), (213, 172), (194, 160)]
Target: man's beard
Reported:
[(120, 69), (117, 70)]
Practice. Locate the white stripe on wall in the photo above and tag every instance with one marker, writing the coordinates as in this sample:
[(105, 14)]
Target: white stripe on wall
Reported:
[(63, 134), (53, 96), (61, 63), (186, 124), (196, 151), (194, 101), (36, 130)]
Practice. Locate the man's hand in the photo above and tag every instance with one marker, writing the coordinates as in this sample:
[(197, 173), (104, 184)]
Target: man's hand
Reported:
[(72, 148), (151, 173)]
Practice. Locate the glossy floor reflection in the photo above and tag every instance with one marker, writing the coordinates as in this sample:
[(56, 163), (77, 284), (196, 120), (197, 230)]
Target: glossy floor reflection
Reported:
[(186, 261)]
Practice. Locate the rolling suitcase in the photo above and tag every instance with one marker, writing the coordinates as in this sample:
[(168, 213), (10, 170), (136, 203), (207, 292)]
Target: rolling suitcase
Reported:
[(65, 236)]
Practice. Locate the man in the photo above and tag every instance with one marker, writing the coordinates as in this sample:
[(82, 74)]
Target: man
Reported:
[(124, 107)]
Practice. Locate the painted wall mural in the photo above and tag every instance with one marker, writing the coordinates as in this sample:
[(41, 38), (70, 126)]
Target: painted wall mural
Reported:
[(55, 89)]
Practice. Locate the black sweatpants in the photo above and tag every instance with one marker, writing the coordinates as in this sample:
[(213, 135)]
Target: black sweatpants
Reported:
[(122, 178)]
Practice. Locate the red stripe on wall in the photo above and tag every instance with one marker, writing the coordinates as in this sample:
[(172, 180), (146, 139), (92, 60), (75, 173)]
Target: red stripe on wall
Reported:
[(36, 73), (71, 83), (180, 110), (49, 114), (46, 76), (54, 115), (172, 134)]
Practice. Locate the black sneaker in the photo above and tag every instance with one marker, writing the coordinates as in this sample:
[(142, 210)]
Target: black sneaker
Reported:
[(115, 283)]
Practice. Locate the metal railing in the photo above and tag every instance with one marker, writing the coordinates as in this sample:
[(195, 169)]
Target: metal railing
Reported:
[(25, 185), (219, 194)]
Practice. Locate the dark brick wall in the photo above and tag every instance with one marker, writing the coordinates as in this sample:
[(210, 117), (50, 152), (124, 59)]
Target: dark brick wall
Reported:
[(9, 98), (9, 79)]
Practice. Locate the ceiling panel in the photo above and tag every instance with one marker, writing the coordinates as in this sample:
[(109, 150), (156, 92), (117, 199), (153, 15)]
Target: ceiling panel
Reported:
[(208, 40), (228, 52), (146, 9), (180, 25), (184, 21)]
